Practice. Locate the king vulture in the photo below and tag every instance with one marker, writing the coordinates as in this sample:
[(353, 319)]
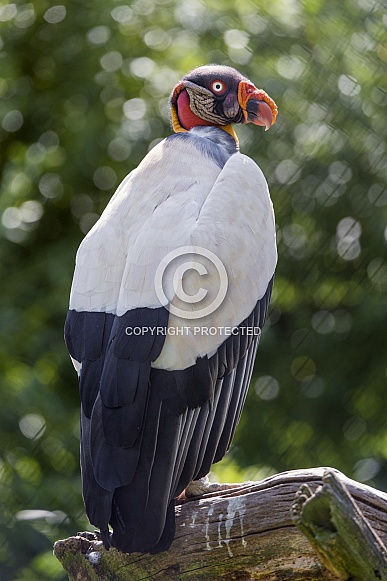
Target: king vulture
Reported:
[(170, 291)]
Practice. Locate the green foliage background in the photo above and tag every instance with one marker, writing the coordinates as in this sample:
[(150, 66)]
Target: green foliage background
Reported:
[(84, 87)]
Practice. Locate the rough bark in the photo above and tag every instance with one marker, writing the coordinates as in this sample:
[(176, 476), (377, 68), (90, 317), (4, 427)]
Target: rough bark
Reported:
[(336, 528), (248, 533)]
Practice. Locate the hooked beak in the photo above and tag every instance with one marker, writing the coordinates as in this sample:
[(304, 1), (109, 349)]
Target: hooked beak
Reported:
[(259, 113), (257, 106)]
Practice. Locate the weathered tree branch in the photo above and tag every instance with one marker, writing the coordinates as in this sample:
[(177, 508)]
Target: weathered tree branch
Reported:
[(247, 533), (341, 536)]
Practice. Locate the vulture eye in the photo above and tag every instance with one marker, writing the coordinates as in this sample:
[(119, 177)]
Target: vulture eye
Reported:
[(218, 87)]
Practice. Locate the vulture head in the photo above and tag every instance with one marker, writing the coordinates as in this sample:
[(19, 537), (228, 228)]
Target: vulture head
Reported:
[(219, 95)]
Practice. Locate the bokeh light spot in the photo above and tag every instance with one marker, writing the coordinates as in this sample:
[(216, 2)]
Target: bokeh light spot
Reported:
[(266, 387), (32, 426), (55, 14), (98, 35), (12, 121), (303, 367)]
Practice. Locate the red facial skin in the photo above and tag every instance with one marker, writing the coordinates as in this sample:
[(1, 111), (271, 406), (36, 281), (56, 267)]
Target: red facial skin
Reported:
[(187, 118)]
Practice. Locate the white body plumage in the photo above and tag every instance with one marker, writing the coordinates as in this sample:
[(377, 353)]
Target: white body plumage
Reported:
[(157, 210)]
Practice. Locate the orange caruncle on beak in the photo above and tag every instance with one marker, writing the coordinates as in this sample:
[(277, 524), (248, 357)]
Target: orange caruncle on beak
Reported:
[(257, 106)]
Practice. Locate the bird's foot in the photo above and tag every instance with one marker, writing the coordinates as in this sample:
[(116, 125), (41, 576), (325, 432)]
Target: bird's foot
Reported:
[(105, 536), (204, 486), (89, 535)]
